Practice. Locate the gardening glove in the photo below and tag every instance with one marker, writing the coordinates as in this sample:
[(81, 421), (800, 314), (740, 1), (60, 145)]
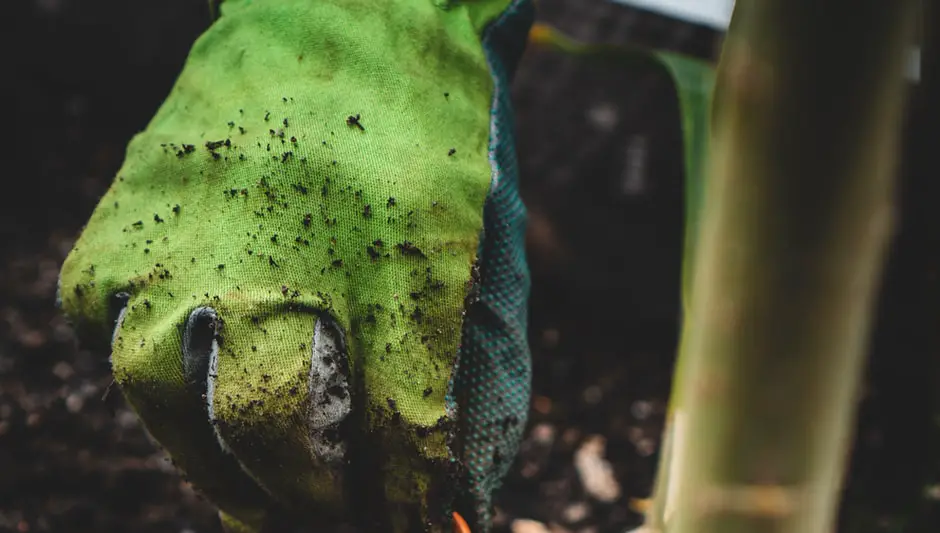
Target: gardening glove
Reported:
[(310, 265)]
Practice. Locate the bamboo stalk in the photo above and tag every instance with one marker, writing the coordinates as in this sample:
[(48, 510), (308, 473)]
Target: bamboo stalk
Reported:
[(798, 214)]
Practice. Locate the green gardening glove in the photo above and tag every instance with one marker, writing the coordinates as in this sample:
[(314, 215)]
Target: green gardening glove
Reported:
[(311, 269)]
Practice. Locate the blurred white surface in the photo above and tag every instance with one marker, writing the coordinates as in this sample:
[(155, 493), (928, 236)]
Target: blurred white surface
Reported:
[(714, 13), (717, 14)]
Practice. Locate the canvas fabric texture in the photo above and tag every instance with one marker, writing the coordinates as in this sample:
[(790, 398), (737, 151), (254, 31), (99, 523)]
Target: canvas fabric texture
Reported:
[(311, 263)]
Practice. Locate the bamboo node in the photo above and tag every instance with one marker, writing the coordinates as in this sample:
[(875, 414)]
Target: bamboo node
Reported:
[(769, 501)]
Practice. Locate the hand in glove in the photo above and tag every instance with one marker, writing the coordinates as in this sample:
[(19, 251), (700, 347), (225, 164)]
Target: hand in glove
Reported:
[(310, 265)]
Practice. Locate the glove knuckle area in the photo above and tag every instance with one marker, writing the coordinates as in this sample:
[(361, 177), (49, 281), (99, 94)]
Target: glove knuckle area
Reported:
[(278, 400), (148, 364)]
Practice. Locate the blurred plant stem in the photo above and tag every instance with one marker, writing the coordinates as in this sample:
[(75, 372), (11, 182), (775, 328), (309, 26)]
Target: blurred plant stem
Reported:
[(796, 221)]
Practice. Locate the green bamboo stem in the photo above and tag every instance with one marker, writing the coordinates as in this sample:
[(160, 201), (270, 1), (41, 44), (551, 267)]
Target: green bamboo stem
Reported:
[(797, 217)]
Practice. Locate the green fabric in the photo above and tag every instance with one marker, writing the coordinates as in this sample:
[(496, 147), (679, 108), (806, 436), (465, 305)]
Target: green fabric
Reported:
[(319, 165)]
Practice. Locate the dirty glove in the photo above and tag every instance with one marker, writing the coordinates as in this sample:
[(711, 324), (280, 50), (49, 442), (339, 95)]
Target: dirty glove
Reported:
[(310, 265)]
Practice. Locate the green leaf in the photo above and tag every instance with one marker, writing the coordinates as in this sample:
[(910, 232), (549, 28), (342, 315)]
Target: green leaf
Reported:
[(214, 9), (694, 81)]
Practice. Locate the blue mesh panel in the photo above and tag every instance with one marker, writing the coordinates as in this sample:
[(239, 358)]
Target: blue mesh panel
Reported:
[(493, 382)]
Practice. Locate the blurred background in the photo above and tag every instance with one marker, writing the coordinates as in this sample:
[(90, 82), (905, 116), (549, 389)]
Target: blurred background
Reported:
[(601, 158)]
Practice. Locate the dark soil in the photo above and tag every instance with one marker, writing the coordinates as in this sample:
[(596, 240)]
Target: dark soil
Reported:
[(601, 161)]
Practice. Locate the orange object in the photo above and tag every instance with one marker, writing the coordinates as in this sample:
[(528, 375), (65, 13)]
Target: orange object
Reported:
[(460, 525), (540, 34)]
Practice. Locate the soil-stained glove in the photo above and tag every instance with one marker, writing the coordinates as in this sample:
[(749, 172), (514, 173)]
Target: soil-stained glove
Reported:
[(311, 268)]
